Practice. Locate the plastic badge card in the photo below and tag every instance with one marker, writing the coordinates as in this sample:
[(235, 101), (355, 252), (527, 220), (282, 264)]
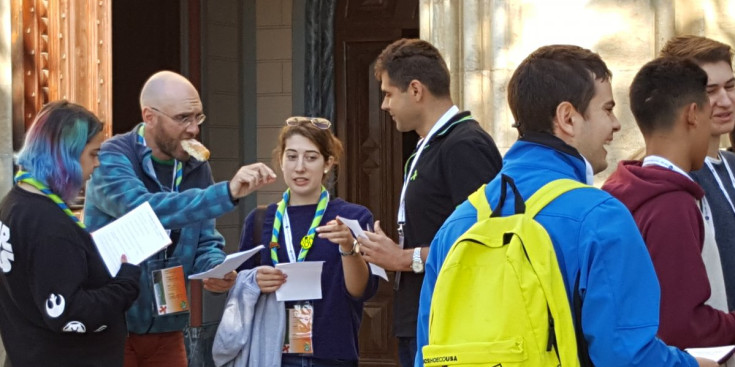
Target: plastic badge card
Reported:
[(299, 329), (169, 290)]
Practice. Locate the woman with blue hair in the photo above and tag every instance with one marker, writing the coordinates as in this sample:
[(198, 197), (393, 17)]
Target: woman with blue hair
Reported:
[(59, 305)]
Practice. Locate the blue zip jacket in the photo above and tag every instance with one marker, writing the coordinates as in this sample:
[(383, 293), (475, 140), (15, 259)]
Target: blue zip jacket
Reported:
[(592, 233), (124, 180)]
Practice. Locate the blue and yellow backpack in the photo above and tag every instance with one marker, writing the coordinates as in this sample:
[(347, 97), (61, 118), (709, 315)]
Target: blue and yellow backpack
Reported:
[(499, 298)]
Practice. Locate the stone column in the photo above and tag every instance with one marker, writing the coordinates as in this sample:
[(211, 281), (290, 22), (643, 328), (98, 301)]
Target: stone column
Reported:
[(473, 35), (6, 106)]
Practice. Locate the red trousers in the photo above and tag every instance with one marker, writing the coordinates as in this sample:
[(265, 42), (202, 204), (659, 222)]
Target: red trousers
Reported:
[(155, 350)]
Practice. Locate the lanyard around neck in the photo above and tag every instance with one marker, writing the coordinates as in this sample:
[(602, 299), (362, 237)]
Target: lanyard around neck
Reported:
[(719, 180), (23, 176), (282, 217), (654, 160), (422, 145), (178, 173)]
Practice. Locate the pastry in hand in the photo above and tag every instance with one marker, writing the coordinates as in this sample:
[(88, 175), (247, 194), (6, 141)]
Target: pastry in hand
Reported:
[(195, 149)]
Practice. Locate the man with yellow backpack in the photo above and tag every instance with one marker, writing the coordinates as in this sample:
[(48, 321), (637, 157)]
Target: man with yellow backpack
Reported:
[(564, 253)]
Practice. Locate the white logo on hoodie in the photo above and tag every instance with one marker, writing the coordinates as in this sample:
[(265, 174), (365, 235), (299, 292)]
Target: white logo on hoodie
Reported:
[(55, 305), (6, 250)]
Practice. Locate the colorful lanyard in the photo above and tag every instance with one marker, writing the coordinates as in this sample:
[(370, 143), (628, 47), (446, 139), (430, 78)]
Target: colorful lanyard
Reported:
[(306, 241), (178, 171), (707, 160), (23, 176)]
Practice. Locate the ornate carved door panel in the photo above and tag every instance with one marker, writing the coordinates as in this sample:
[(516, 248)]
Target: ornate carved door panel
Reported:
[(61, 50), (374, 149)]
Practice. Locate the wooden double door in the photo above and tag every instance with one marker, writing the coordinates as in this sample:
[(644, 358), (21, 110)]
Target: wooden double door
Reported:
[(374, 150)]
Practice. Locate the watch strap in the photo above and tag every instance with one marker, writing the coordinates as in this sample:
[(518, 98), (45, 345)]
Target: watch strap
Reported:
[(352, 251)]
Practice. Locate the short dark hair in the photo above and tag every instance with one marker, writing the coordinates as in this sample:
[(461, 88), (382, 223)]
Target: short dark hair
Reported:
[(549, 76), (414, 59), (701, 49), (661, 88)]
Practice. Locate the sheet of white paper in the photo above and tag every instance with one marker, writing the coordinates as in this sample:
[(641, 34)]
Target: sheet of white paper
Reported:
[(717, 354), (354, 226), (377, 270), (137, 234), (232, 261), (304, 281)]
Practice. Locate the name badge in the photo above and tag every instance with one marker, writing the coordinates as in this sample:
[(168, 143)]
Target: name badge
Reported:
[(299, 329), (169, 289)]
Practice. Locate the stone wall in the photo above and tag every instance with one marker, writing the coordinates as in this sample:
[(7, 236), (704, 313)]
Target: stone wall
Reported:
[(273, 62), (483, 41)]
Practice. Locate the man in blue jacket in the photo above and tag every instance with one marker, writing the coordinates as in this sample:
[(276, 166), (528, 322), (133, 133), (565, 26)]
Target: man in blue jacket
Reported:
[(562, 102), (149, 164)]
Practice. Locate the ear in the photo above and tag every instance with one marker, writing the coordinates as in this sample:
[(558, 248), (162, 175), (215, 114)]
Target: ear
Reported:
[(328, 164), (565, 120), (148, 115), (691, 113), (416, 90)]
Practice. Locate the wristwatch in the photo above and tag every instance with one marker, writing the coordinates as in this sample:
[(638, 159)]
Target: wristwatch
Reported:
[(354, 251), (417, 265)]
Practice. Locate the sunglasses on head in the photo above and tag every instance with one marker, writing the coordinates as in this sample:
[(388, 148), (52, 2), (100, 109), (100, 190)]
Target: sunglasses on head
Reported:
[(319, 122)]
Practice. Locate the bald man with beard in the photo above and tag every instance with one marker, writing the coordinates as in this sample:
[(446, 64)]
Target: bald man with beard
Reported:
[(149, 164)]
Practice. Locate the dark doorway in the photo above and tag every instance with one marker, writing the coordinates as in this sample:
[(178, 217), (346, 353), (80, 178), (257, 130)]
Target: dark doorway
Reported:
[(146, 37), (375, 150)]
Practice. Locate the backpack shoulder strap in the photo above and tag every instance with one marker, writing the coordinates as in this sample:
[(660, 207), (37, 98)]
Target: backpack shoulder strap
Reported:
[(549, 192), (258, 224), (258, 217), (479, 201)]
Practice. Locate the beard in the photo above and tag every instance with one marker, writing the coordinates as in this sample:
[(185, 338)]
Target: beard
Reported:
[(171, 146)]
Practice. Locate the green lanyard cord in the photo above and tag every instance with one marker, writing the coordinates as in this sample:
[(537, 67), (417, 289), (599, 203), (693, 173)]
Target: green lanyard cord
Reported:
[(308, 240), (23, 176), (179, 175)]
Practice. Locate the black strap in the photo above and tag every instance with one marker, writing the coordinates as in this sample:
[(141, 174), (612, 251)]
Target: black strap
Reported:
[(582, 349), (258, 218), (520, 206)]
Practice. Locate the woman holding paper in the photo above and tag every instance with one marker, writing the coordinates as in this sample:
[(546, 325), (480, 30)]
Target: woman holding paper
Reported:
[(60, 306), (303, 227)]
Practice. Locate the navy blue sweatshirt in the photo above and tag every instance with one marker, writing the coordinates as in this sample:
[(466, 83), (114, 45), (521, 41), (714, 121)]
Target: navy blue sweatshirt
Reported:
[(337, 315)]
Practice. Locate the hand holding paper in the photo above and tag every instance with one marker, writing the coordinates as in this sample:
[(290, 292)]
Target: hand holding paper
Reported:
[(137, 235), (304, 281), (220, 285), (354, 226), (717, 354), (232, 261)]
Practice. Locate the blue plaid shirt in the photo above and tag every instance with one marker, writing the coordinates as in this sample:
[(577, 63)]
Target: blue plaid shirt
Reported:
[(126, 179)]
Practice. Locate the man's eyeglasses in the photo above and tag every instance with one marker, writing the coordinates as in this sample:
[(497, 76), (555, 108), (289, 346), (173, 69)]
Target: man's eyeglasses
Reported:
[(184, 120), (319, 122)]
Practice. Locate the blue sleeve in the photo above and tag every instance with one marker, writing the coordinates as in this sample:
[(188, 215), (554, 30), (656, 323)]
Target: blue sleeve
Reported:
[(210, 249), (620, 293), (458, 223), (115, 189)]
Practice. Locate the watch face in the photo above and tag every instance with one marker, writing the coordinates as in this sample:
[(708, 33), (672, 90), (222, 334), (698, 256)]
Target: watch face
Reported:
[(417, 267)]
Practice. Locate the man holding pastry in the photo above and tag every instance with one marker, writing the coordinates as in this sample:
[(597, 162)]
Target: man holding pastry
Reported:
[(162, 163)]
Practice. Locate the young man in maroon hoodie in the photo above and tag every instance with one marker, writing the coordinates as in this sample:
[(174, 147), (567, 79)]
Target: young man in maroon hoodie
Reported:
[(669, 101)]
